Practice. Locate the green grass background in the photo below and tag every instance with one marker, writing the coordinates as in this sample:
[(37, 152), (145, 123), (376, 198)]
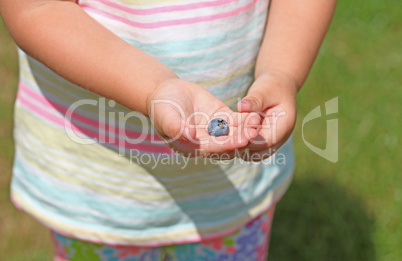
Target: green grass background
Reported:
[(350, 210)]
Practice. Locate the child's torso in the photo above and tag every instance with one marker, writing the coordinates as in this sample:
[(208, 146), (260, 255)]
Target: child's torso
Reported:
[(137, 190)]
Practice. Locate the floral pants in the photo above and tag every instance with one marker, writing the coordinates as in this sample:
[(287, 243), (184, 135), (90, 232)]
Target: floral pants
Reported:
[(247, 243)]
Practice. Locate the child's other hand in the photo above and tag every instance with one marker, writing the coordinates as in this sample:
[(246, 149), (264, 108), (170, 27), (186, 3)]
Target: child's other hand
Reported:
[(273, 96), (181, 112)]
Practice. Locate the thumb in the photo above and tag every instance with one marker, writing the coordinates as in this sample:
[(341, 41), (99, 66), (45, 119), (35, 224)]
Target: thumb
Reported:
[(175, 127), (253, 102)]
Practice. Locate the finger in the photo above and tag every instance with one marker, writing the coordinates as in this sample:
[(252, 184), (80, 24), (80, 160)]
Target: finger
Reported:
[(175, 127), (224, 144), (255, 101), (266, 92), (249, 120), (249, 123), (190, 131), (259, 143), (276, 128), (252, 125)]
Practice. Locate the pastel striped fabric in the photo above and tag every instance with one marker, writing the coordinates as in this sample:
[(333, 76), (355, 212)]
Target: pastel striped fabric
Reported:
[(92, 174)]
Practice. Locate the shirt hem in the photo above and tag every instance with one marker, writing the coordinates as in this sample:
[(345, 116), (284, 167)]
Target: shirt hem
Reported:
[(102, 238)]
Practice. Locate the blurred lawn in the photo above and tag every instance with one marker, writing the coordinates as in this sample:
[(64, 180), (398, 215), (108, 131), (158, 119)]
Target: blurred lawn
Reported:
[(351, 210)]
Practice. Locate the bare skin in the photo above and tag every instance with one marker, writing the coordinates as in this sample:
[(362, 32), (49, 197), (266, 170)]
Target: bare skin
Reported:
[(294, 33), (54, 30)]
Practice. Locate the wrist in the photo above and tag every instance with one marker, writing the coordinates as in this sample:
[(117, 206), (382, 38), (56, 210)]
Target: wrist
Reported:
[(153, 94), (279, 78)]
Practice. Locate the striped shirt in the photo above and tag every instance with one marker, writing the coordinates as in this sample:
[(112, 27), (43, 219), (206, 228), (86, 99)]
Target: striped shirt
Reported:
[(90, 168)]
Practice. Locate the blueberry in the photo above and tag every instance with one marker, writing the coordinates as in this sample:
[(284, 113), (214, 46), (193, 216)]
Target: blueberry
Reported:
[(218, 127)]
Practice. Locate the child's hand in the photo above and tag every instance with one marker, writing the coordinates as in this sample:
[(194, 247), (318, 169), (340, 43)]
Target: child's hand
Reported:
[(181, 111), (273, 95)]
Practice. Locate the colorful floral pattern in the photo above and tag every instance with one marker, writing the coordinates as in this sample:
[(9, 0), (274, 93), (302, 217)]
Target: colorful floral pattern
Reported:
[(248, 243)]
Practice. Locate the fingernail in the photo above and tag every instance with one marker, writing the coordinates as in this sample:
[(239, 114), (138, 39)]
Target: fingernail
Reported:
[(244, 104), (186, 133)]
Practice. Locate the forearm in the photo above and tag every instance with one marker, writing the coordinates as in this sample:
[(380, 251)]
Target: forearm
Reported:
[(294, 32), (67, 40)]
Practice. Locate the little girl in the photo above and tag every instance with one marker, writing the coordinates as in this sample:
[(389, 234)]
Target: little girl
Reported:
[(112, 146)]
